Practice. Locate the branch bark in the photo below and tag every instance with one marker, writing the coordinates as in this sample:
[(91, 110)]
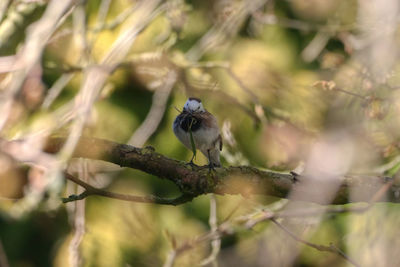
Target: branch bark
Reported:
[(198, 180)]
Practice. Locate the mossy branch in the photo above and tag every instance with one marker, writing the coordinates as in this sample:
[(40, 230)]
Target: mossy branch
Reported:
[(197, 180)]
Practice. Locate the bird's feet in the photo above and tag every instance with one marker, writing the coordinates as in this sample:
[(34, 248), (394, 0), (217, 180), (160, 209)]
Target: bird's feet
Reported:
[(191, 164), (211, 167)]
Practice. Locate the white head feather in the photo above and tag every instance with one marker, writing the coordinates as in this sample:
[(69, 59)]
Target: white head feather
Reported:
[(193, 105)]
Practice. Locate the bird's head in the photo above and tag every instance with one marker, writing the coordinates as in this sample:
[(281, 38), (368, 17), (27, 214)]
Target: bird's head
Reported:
[(193, 105)]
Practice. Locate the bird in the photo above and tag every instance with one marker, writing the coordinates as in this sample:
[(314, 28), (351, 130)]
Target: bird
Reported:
[(204, 128)]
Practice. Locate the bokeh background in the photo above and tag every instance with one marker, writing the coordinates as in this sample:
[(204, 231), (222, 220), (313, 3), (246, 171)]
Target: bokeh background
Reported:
[(305, 85)]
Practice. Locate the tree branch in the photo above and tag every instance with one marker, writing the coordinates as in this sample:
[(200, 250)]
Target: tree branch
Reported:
[(90, 191), (197, 180)]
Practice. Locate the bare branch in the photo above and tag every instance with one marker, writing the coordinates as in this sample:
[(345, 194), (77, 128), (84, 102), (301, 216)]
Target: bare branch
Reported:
[(331, 248), (169, 262), (216, 242), (157, 110), (251, 220), (272, 19), (78, 221), (91, 190), (56, 89), (198, 180)]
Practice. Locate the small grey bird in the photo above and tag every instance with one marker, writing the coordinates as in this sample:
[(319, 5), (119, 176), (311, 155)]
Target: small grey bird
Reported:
[(205, 131)]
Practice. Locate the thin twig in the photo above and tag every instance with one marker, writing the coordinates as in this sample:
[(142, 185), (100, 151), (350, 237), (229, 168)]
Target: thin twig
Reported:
[(387, 166), (91, 191), (216, 242), (117, 21), (78, 215), (100, 22), (269, 215), (227, 228), (169, 262), (251, 220), (258, 217), (351, 93), (315, 47), (102, 14), (156, 113), (331, 248), (272, 19), (56, 89)]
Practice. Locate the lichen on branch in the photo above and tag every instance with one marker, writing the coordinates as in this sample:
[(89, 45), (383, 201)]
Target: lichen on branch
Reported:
[(197, 180)]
